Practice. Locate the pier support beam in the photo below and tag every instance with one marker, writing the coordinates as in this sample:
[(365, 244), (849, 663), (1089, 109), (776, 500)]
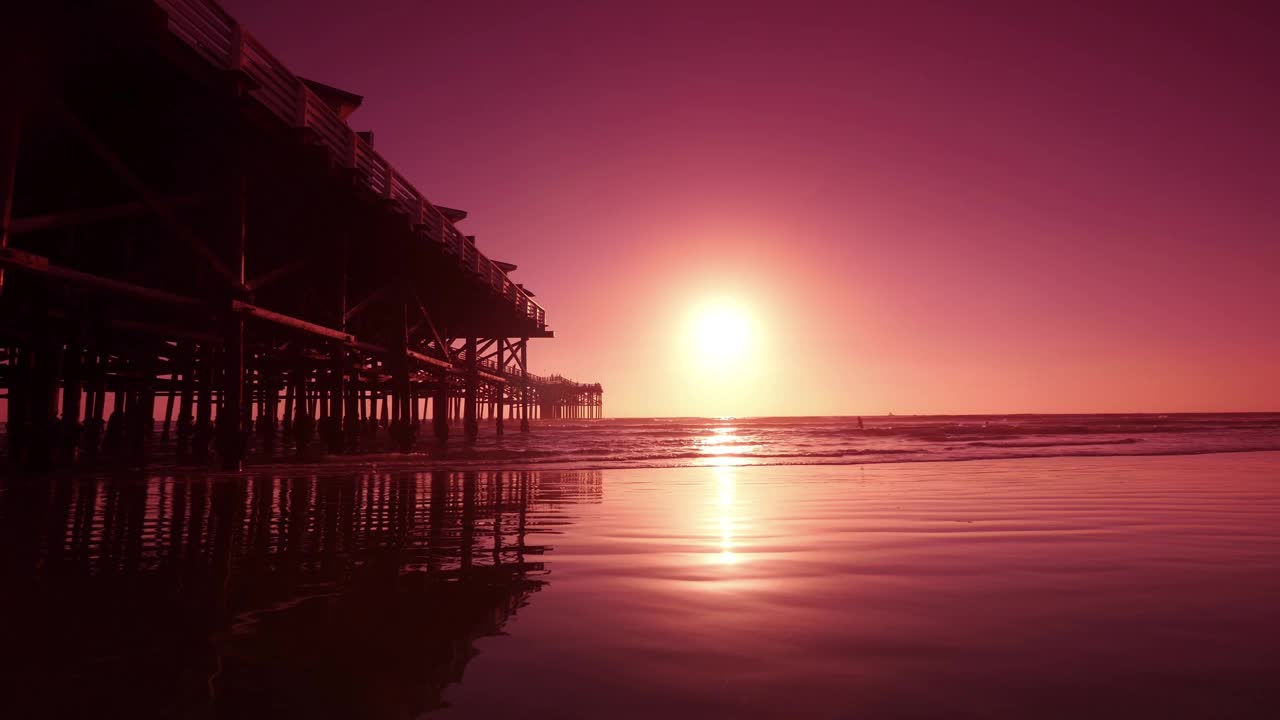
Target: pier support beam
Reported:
[(140, 417), (231, 419), (168, 411), (94, 425), (524, 384), (399, 427), (43, 397), (499, 389), (203, 430), (231, 415), (303, 426), (471, 425), (181, 384), (340, 432), (336, 435), (286, 418), (16, 422), (440, 409), (10, 137), (71, 376)]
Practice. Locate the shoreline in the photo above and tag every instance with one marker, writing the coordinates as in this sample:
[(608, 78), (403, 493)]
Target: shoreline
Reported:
[(325, 466)]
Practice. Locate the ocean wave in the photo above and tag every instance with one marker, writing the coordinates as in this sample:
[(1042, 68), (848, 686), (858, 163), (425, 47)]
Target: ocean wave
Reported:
[(1062, 443), (421, 463), (851, 461), (834, 441)]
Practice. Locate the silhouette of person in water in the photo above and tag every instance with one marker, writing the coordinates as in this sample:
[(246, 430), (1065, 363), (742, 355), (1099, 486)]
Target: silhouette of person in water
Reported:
[(860, 427)]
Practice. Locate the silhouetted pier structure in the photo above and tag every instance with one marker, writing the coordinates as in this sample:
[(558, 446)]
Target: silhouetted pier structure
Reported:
[(562, 398), (188, 225)]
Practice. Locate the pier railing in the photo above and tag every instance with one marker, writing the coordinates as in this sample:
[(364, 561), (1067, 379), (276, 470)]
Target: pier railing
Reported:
[(515, 373), (221, 40)]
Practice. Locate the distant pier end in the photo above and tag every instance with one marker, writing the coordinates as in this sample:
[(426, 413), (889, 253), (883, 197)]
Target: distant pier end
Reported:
[(187, 225)]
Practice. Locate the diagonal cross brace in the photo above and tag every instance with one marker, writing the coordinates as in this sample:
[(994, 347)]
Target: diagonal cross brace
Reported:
[(121, 169)]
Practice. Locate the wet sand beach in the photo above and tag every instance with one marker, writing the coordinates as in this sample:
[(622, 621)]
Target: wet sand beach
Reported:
[(1046, 587)]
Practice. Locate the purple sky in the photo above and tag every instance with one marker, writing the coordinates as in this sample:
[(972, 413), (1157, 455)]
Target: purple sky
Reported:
[(920, 208)]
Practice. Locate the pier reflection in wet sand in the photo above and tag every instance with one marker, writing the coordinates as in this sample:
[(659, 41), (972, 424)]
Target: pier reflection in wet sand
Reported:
[(262, 596), (1043, 587)]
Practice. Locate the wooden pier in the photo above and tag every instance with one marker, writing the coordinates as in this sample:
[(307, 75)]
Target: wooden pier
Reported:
[(561, 398), (189, 230)]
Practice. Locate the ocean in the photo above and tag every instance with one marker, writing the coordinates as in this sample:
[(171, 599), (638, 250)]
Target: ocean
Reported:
[(1073, 566), (679, 442)]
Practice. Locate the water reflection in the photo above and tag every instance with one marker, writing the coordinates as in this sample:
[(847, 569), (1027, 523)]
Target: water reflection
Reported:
[(725, 440), (726, 507), (351, 596)]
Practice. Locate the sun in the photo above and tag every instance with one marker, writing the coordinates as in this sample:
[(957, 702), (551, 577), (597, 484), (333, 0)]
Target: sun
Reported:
[(722, 334)]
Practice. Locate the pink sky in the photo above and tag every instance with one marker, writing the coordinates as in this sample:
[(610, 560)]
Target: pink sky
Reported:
[(922, 209)]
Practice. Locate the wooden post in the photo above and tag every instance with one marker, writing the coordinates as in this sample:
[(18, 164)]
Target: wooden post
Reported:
[(286, 419), (93, 423), (71, 377), (231, 441), (44, 392), (337, 400), (18, 381), (140, 416), (401, 430), (524, 384), (303, 423), (440, 408), (10, 141), (204, 407), (267, 398), (231, 414), (168, 409), (351, 412), (87, 381), (471, 425), (338, 405), (499, 388)]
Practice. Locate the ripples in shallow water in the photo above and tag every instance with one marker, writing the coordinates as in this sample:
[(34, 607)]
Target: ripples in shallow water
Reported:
[(685, 442), (1118, 587)]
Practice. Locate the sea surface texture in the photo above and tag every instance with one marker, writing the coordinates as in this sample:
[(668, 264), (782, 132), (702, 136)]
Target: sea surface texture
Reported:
[(1059, 587), (674, 442)]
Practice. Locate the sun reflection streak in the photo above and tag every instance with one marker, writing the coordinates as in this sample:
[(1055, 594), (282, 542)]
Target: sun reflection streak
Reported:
[(724, 440), (726, 503)]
